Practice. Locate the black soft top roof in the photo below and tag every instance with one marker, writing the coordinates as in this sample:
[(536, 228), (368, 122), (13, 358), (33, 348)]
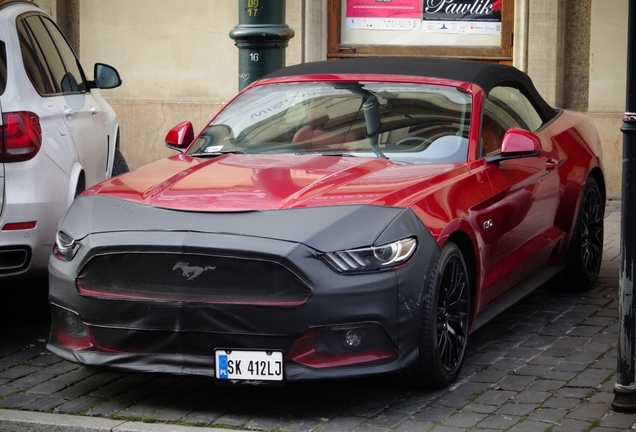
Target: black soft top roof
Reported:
[(485, 75)]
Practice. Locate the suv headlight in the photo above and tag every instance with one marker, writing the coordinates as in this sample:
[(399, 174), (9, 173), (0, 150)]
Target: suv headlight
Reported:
[(65, 246), (371, 258)]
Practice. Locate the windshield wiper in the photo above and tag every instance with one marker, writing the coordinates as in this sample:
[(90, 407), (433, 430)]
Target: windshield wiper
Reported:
[(337, 154), (216, 153)]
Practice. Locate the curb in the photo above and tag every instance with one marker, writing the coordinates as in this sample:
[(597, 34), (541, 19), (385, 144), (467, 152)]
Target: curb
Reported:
[(26, 421)]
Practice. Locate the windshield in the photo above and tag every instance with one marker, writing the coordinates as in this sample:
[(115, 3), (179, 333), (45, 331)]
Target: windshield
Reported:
[(418, 123)]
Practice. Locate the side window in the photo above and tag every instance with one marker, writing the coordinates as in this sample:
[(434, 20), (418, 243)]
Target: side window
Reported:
[(3, 67), (505, 107), (34, 63), (52, 59), (74, 79), (492, 129), (45, 46), (517, 106)]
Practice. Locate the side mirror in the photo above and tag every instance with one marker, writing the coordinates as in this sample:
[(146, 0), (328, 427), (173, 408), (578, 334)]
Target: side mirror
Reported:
[(106, 76), (180, 136), (517, 143)]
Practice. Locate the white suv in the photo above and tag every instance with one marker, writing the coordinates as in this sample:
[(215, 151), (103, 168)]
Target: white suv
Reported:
[(58, 136)]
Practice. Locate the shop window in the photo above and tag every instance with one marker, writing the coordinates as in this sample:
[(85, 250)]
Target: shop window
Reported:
[(473, 29)]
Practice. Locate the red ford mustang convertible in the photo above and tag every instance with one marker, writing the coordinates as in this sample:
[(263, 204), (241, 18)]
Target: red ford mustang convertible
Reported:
[(336, 219)]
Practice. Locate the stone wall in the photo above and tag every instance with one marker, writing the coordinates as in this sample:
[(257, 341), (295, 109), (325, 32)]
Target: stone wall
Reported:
[(177, 61), (607, 83), (577, 59)]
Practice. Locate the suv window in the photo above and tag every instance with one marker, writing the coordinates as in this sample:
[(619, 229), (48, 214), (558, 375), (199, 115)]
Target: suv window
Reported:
[(506, 107), (74, 79), (49, 61), (3, 67), (34, 63)]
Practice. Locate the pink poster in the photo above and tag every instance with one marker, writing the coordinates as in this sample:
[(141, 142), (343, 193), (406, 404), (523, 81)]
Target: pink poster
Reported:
[(400, 9)]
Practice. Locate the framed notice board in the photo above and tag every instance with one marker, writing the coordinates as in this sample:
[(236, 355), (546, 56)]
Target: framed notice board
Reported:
[(476, 29)]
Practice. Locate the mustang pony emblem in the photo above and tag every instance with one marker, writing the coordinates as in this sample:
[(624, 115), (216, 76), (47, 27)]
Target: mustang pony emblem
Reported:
[(191, 272)]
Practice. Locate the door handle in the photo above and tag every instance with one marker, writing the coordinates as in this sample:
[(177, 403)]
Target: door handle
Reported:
[(93, 110), (69, 112), (551, 164)]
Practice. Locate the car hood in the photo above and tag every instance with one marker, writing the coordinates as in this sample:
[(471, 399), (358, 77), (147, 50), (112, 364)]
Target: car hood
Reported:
[(234, 183)]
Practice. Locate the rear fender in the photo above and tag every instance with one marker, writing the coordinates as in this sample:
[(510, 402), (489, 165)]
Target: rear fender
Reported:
[(580, 154)]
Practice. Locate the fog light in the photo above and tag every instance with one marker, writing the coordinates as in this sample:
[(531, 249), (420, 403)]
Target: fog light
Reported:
[(69, 330), (353, 338), (71, 323), (343, 345)]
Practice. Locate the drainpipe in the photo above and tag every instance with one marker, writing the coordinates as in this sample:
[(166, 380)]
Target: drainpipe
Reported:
[(261, 37), (625, 387)]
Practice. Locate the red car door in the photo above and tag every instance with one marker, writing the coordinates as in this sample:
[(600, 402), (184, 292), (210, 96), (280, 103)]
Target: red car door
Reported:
[(520, 228)]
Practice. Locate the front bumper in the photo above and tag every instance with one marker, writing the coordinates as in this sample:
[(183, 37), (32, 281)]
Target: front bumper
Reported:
[(139, 310)]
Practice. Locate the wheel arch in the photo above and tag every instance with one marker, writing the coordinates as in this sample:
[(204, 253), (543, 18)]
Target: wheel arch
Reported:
[(76, 184), (467, 249), (113, 146), (583, 258), (597, 173)]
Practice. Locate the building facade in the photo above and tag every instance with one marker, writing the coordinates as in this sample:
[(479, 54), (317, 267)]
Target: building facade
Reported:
[(178, 62)]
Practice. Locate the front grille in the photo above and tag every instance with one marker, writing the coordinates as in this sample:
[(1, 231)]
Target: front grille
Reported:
[(187, 343), (190, 278)]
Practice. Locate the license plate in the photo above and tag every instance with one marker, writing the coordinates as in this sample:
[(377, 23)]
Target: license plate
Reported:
[(249, 365)]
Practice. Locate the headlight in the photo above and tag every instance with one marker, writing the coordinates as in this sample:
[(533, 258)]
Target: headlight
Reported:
[(65, 246), (372, 258)]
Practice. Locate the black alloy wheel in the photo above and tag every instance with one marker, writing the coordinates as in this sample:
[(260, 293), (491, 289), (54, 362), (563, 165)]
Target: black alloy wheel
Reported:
[(592, 233), (452, 314), (445, 322), (586, 247)]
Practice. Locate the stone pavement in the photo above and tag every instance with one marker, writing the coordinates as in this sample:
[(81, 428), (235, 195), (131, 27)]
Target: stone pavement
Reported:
[(547, 364)]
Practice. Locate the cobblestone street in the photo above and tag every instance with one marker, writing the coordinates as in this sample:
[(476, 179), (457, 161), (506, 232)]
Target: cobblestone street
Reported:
[(549, 363)]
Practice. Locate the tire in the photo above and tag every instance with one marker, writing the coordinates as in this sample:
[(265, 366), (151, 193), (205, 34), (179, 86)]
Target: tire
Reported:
[(585, 254), (445, 321), (119, 164)]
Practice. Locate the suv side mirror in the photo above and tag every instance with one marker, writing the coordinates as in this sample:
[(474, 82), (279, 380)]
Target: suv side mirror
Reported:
[(517, 143), (180, 136), (106, 76)]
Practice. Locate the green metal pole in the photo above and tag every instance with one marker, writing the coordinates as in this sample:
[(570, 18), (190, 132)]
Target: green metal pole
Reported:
[(261, 37)]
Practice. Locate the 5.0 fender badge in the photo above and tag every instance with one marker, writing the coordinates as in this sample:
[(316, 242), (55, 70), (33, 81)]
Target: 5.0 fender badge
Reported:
[(191, 273)]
